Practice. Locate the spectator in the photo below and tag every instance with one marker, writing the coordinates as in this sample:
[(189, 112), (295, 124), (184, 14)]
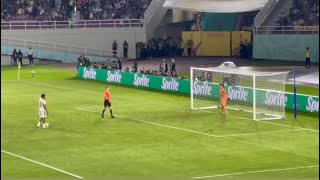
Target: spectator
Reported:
[(189, 47), (242, 49), (95, 66), (182, 48), (135, 67), (250, 50), (173, 68), (15, 56), (308, 56), (163, 68), (30, 56), (86, 61), (114, 48), (46, 9), (20, 56), (125, 49), (120, 64)]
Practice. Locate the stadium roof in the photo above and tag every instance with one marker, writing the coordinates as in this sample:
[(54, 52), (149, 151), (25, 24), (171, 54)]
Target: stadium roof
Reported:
[(218, 6)]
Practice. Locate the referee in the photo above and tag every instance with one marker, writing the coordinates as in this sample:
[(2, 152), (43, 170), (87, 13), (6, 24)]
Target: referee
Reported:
[(107, 102)]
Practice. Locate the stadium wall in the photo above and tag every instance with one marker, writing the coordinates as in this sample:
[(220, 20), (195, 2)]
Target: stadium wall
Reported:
[(218, 21), (216, 43), (285, 47), (51, 55), (7, 60), (305, 103), (101, 38)]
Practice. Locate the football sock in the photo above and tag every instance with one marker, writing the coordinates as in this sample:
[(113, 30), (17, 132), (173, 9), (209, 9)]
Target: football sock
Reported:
[(103, 112), (111, 113)]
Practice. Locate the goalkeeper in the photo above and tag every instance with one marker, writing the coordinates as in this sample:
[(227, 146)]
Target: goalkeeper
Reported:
[(223, 99)]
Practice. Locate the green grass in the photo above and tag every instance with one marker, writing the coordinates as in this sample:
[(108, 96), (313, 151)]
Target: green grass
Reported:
[(154, 135)]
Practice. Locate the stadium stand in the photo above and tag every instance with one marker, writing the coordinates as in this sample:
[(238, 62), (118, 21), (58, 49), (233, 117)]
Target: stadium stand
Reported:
[(302, 13), (51, 10)]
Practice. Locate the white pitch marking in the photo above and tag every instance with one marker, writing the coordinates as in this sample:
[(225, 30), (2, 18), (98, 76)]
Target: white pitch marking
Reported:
[(257, 133), (42, 164), (8, 80), (255, 172), (197, 132), (185, 130), (158, 124), (27, 95), (88, 92)]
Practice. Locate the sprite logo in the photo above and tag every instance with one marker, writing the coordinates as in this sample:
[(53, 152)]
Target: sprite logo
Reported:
[(276, 99), (89, 74), (141, 81), (114, 77), (313, 105), (202, 89), (237, 94), (170, 85)]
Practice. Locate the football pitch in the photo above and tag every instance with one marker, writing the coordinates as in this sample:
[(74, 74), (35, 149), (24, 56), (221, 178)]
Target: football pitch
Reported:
[(154, 134)]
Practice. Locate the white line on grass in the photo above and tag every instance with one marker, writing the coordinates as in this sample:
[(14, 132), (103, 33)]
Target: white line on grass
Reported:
[(196, 132), (255, 172), (3, 95), (185, 130), (257, 133), (157, 124), (42, 164), (8, 80), (88, 92)]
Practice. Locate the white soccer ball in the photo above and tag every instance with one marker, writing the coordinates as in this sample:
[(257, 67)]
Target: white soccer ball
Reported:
[(46, 124)]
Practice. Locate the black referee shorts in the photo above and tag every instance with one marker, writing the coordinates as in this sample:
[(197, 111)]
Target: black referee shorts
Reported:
[(107, 103)]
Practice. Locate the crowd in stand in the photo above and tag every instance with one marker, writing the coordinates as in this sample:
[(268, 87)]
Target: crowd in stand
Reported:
[(302, 13), (162, 48), (63, 9), (164, 70)]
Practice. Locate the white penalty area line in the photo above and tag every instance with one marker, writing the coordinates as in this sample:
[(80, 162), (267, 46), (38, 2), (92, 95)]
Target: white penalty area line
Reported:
[(255, 172), (9, 80), (42, 164), (88, 92), (197, 132)]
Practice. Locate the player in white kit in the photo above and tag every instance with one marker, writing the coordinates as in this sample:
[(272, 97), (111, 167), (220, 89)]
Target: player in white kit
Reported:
[(43, 112)]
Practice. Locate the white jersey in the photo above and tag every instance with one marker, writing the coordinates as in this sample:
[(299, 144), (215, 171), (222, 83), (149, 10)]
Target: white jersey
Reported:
[(42, 103), (30, 52)]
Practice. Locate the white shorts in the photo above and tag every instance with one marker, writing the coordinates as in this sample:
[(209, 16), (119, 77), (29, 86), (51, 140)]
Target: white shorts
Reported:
[(42, 114)]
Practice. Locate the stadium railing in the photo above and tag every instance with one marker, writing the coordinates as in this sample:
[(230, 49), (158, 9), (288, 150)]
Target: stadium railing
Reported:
[(110, 23), (287, 30), (53, 51), (264, 12)]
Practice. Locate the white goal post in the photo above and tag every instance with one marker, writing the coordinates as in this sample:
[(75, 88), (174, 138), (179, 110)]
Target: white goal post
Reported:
[(256, 94)]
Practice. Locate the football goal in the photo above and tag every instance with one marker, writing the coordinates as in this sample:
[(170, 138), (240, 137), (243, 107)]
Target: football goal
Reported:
[(256, 94)]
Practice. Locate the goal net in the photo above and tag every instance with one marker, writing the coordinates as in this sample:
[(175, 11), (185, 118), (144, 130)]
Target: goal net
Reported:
[(259, 95)]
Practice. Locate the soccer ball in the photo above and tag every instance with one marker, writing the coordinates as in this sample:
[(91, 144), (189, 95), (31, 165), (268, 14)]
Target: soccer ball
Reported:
[(46, 124)]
